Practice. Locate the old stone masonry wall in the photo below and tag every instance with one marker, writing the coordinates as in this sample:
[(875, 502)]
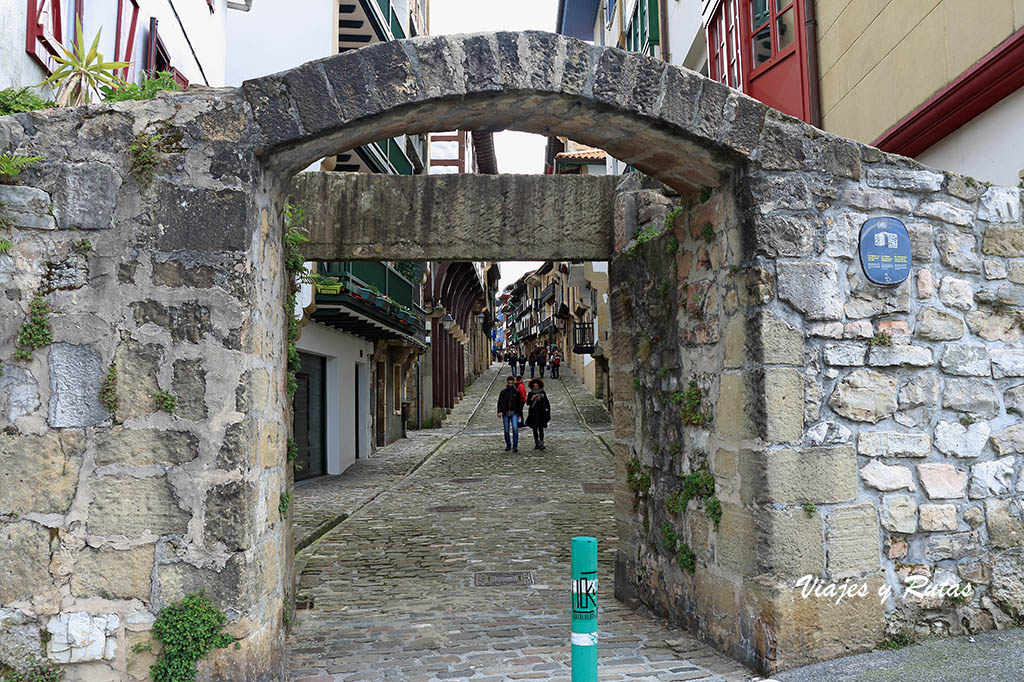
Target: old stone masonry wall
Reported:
[(844, 430), (142, 452)]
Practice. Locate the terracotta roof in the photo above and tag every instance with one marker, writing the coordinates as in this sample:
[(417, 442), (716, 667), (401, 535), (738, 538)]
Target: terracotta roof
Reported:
[(585, 155)]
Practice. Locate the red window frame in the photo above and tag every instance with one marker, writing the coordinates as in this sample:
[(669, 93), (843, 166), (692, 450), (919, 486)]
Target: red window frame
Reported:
[(43, 31), (777, 55), (128, 38), (725, 57)]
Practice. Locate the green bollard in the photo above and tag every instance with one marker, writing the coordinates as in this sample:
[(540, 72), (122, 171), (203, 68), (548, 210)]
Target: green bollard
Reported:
[(584, 609)]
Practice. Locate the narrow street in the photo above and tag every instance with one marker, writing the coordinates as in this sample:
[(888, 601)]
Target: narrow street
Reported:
[(397, 589)]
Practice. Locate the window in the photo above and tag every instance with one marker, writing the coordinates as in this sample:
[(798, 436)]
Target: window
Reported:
[(642, 29), (44, 33), (757, 46)]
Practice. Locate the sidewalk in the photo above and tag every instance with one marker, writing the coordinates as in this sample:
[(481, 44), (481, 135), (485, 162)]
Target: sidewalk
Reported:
[(322, 503)]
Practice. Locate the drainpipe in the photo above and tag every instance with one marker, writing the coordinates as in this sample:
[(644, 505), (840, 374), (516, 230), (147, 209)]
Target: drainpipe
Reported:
[(813, 82), (666, 53), (419, 396)]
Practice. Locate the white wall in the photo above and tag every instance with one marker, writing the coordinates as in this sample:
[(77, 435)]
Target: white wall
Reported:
[(277, 34), (989, 148), (204, 30), (342, 352), (687, 40)]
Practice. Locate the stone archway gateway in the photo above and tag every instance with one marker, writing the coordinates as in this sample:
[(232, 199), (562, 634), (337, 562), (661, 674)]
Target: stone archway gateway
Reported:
[(741, 347)]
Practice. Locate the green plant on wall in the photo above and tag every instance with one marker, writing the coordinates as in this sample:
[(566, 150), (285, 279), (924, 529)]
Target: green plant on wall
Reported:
[(81, 71), (20, 100), (146, 89), (108, 390), (189, 631), (705, 193), (707, 232), (166, 401), (13, 164), (669, 538), (638, 480), (698, 485), (294, 238), (284, 503), (5, 246), (35, 333), (36, 670), (691, 405), (686, 559)]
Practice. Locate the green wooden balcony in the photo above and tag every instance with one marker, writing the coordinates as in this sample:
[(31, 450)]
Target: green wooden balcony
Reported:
[(368, 298)]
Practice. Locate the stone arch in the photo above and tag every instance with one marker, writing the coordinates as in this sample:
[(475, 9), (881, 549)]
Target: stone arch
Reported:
[(670, 123), (189, 266)]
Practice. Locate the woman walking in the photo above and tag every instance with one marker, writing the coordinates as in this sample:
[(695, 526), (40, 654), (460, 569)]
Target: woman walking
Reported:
[(540, 412)]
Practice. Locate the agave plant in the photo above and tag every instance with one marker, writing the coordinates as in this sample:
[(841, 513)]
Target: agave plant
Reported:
[(82, 72)]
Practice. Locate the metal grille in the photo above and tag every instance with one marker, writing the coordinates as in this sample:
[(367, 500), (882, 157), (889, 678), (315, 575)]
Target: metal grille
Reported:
[(502, 578)]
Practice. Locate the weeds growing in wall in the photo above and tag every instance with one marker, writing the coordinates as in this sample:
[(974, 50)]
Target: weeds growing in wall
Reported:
[(21, 100), (166, 401), (35, 670), (189, 631), (35, 333), (108, 391)]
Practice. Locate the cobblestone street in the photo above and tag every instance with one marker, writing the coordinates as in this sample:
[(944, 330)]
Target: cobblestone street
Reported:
[(393, 587)]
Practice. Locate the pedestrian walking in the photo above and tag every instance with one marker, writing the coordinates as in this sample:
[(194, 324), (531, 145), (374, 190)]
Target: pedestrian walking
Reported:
[(510, 409), (522, 363), (511, 357), (540, 412), (542, 359), (533, 362), (556, 363), (522, 394)]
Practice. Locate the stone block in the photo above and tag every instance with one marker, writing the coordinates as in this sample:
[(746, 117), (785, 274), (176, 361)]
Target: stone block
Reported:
[(956, 293), (942, 481), (965, 360), (995, 268), (733, 409), (137, 368), (973, 396), (80, 637), (829, 433), (189, 321), (844, 354), (134, 507), (114, 574), (1005, 526), (190, 389), (784, 404), (865, 395), (786, 619), (1015, 400), (1015, 271), (781, 343), (945, 212), (230, 510), (900, 355), (39, 474), (959, 251), (812, 288), (236, 586), (888, 478), (873, 200), (142, 447), (1000, 205), (893, 444), (925, 284), (174, 274), (76, 374), (952, 546), (905, 179), (1007, 362), (937, 325), (24, 561), (186, 212), (899, 514), (791, 542), (853, 544), (1008, 582), (19, 394), (1010, 440), (994, 325), (27, 207), (991, 478), (921, 389), (735, 342), (938, 517), (85, 196), (953, 438), (1003, 241), (821, 475)]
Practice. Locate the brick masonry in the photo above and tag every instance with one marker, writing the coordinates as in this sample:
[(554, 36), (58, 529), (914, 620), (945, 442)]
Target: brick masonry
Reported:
[(108, 517)]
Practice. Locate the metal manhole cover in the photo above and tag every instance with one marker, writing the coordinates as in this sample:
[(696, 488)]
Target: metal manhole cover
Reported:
[(598, 487), (448, 508), (502, 578), (469, 479)]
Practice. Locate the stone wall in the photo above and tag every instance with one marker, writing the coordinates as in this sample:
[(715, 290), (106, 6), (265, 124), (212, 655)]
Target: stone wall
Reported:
[(108, 514), (858, 432)]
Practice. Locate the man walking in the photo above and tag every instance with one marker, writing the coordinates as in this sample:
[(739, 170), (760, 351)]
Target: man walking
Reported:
[(510, 406), (542, 359), (510, 356), (533, 362)]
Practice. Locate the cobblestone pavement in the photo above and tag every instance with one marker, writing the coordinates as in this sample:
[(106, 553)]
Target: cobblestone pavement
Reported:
[(393, 587)]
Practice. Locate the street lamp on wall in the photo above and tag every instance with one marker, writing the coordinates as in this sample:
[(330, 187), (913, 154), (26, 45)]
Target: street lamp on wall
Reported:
[(447, 321)]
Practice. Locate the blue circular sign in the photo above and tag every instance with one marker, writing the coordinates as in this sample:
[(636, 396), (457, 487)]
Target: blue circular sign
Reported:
[(885, 250)]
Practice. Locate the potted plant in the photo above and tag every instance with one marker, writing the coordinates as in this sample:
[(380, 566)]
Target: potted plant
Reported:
[(328, 285)]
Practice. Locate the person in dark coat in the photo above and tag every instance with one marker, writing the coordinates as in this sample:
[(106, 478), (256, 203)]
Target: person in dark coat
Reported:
[(510, 409), (540, 412), (533, 362), (522, 362), (510, 356), (542, 359)]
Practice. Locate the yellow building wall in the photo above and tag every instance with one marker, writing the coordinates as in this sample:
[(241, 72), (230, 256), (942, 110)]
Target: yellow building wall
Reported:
[(881, 59)]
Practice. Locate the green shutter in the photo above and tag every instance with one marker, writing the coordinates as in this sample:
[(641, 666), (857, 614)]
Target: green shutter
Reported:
[(655, 26)]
